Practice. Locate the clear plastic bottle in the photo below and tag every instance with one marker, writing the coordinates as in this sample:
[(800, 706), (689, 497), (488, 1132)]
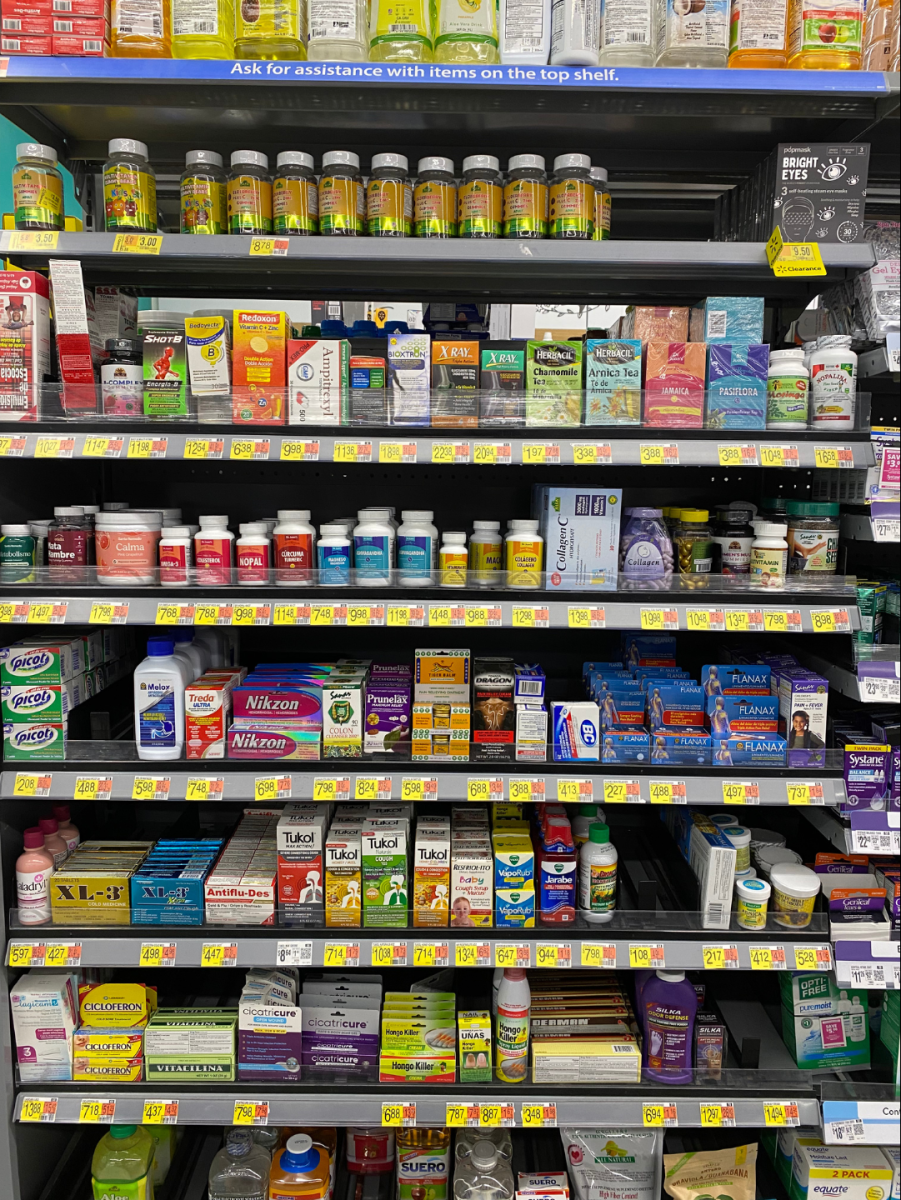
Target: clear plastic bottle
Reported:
[(240, 1169), (141, 29), (694, 542), (603, 204), (339, 31), (486, 553), (465, 33), (646, 549), (417, 548), (204, 206), (159, 693), (692, 34), (824, 38), (195, 654), (758, 34), (37, 188), (129, 186), (270, 29), (480, 198), (341, 198), (249, 192), (122, 1164), (389, 197), (435, 198), (524, 554), (524, 32), (400, 35), (203, 29), (295, 195), (597, 875), (526, 197), (293, 547), (572, 198), (575, 33), (484, 1174), (627, 33), (453, 560)]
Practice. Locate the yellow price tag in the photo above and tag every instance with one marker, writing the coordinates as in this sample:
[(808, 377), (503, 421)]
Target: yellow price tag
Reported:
[(740, 793), (522, 789), (160, 1112), (489, 1116), (574, 790), (57, 955), (458, 1116), (767, 958), (643, 958), (484, 789), (272, 788), (261, 247), (325, 789), (651, 456), (148, 787), (666, 792), (539, 1115), (86, 789), (654, 620), (729, 456), (48, 447), (532, 453), (506, 954), (466, 954), (219, 954), (826, 457), (345, 452), (95, 447), (799, 259), (26, 785), (153, 955), (92, 1112), (596, 954), (413, 789), (717, 1116), (322, 614), (20, 955), (341, 954), (389, 954), (439, 614), (285, 614), (424, 954), (399, 1116), (38, 1108), (475, 616), (484, 454), (812, 958), (201, 789), (720, 958), (34, 239), (549, 956), (251, 1112), (659, 1116), (137, 243), (775, 1114), (622, 791), (798, 793)]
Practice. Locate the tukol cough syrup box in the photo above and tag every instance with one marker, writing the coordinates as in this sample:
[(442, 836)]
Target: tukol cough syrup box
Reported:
[(431, 876), (259, 367), (386, 874)]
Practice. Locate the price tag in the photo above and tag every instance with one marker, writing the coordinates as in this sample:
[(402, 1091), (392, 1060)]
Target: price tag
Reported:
[(622, 791), (389, 954), (551, 955), (39, 1108), (294, 954), (419, 789), (720, 958), (403, 615), (743, 454), (744, 620), (600, 454), (656, 454), (845, 1133), (575, 791), (767, 958), (352, 452), (14, 613), (48, 612), (799, 259), (886, 529), (208, 788), (834, 457), (813, 958), (298, 451), (541, 454), (524, 617), (175, 614), (139, 447), (484, 788), (32, 785), (97, 1112), (740, 792), (63, 954), (365, 614), (463, 1115), (400, 1115), (870, 974), (779, 456), (160, 1112), (706, 620), (212, 614), (431, 954), (249, 450), (539, 1114), (492, 454), (54, 447), (219, 954), (668, 791), (780, 1113), (291, 614), (328, 614), (718, 1116), (472, 954), (646, 958), (103, 613), (372, 787), (497, 1115), (525, 789), (270, 788), (251, 1112), (137, 243), (443, 615), (480, 616), (33, 239), (102, 447), (661, 620), (598, 954), (341, 954), (805, 793), (157, 954), (512, 954), (150, 787), (450, 452), (874, 690), (250, 614), (777, 621), (830, 620), (397, 452), (587, 618), (331, 787), (262, 247), (91, 788), (12, 447), (660, 1116), (24, 954)]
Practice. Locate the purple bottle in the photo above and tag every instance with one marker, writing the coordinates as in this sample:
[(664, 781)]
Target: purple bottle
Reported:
[(646, 549), (668, 1007)]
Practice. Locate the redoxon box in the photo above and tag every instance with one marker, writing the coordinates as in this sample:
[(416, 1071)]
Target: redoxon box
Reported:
[(24, 343), (44, 1007), (343, 877), (493, 710), (342, 716), (553, 383), (580, 527), (209, 355), (409, 378), (455, 383), (612, 381), (269, 1043), (165, 374), (431, 876), (318, 381), (385, 875), (442, 675), (259, 368), (300, 840), (711, 857)]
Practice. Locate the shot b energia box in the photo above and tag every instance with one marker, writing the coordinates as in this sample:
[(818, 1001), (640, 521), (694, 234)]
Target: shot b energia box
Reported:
[(165, 374), (259, 367)]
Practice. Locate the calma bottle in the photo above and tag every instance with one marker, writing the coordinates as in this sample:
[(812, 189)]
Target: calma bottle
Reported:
[(159, 692)]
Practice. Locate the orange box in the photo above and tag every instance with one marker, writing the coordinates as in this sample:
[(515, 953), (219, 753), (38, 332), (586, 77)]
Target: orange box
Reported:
[(259, 367)]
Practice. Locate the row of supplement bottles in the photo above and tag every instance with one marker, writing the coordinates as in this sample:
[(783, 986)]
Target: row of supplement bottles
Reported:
[(574, 203)]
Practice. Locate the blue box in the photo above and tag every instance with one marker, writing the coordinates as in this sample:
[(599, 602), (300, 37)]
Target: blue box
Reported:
[(612, 381), (732, 680), (601, 681), (727, 319), (588, 667), (529, 683), (575, 727), (624, 744), (648, 649), (674, 703), (621, 707), (728, 716), (167, 889), (768, 751), (736, 386), (680, 745)]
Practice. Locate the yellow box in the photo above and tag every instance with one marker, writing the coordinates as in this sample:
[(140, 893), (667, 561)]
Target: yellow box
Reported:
[(343, 878), (583, 1060), (412, 1068), (474, 1040), (505, 812), (91, 1042), (94, 897), (115, 1005), (259, 367), (441, 675), (439, 716), (110, 1069)]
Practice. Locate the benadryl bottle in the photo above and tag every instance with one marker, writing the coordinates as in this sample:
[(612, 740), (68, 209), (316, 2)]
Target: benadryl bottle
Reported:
[(417, 548), (691, 35), (159, 686), (372, 549)]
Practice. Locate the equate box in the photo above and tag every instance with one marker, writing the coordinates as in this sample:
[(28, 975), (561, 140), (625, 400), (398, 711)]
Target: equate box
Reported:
[(318, 382), (259, 367), (852, 1172), (343, 877), (431, 877), (207, 718), (24, 339)]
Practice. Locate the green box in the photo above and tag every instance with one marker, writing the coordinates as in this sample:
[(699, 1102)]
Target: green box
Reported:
[(165, 375), (554, 383)]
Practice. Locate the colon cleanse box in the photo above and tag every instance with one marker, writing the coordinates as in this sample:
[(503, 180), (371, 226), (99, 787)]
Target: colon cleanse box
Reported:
[(674, 384), (612, 381), (580, 527), (736, 386)]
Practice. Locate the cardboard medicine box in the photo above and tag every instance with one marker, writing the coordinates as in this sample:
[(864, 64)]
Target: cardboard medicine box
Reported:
[(24, 336), (165, 375), (259, 367), (553, 383), (455, 383), (612, 381), (318, 378)]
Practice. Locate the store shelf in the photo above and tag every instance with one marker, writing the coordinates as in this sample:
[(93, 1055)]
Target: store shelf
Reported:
[(411, 267), (864, 832), (875, 680), (860, 1114), (873, 965), (884, 529), (881, 361)]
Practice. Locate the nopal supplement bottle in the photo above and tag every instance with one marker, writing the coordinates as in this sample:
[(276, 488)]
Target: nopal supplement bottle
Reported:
[(295, 195), (833, 384), (435, 198), (480, 198), (572, 198), (249, 192), (129, 187), (341, 198), (526, 197), (37, 188), (203, 193), (389, 197)]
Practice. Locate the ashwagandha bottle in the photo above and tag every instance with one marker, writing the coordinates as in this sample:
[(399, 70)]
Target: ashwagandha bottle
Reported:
[(572, 198), (295, 195), (37, 188), (689, 36), (400, 33), (435, 198), (129, 187), (627, 33), (249, 193), (203, 29), (526, 197), (758, 34), (270, 29), (339, 31), (602, 204), (480, 198), (203, 199), (341, 197), (389, 197)]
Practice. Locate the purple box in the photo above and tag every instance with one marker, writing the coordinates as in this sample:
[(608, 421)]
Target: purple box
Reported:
[(867, 777), (894, 796), (269, 1043), (340, 1039), (294, 706), (854, 893), (387, 723)]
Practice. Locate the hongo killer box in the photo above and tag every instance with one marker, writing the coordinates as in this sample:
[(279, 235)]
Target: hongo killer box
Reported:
[(24, 342)]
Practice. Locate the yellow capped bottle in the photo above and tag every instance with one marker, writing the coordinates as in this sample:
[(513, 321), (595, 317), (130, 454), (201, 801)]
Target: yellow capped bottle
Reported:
[(824, 36), (129, 187), (270, 29), (400, 31), (480, 198), (249, 191), (37, 188), (203, 29), (572, 198), (342, 202), (295, 196), (526, 197), (203, 200), (758, 34), (141, 29), (435, 198), (389, 197)]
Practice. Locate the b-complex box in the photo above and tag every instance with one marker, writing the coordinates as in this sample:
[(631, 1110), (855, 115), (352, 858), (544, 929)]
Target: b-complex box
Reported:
[(580, 527), (259, 367), (44, 1009), (431, 877), (24, 342), (385, 875), (343, 877), (553, 383), (737, 386), (165, 375), (721, 319), (342, 717), (674, 385), (318, 378), (612, 381), (493, 710), (455, 383), (409, 378), (300, 840)]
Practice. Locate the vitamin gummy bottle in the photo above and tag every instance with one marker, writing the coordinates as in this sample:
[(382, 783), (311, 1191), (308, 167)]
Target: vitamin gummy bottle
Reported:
[(203, 202), (141, 29), (129, 187), (37, 188), (203, 29)]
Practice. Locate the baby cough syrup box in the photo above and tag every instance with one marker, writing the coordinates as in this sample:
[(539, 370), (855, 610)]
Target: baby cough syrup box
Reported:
[(24, 342), (674, 384), (472, 886), (259, 367), (318, 382)]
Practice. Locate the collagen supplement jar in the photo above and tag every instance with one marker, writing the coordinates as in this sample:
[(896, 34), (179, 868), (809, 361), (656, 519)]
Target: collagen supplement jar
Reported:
[(813, 530), (795, 889), (126, 546)]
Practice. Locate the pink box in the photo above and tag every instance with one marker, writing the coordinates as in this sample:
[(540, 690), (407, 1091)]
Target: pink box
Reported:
[(41, 46), (24, 342), (287, 706), (674, 384), (25, 8), (36, 25), (64, 44), (81, 8)]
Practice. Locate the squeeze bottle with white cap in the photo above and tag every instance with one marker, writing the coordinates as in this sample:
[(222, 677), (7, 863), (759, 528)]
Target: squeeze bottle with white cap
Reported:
[(338, 32), (575, 33), (159, 696)]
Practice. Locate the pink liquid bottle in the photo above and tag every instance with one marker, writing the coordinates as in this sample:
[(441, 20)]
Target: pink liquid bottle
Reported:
[(67, 831), (34, 866), (53, 843)]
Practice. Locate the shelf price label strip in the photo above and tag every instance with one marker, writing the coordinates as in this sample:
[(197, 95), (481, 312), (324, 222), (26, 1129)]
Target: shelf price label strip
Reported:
[(767, 958), (219, 954), (718, 1116), (40, 1109), (472, 954), (539, 1114), (389, 954), (341, 954), (720, 958), (431, 954), (160, 1112), (97, 1112), (664, 1115), (473, 1114), (32, 785), (251, 1112), (513, 954)]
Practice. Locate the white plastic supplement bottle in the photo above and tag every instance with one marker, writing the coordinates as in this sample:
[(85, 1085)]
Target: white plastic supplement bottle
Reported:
[(372, 549), (253, 554), (486, 553), (176, 558), (453, 560), (159, 693), (524, 554), (769, 554), (833, 384), (217, 645), (575, 33), (787, 390), (514, 1006), (417, 548), (524, 32), (386, 516), (583, 820), (293, 547), (214, 551), (334, 556), (597, 875)]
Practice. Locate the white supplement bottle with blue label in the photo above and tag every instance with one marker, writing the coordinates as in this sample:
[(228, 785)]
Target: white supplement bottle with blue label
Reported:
[(333, 549), (373, 537), (417, 548), (159, 688)]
